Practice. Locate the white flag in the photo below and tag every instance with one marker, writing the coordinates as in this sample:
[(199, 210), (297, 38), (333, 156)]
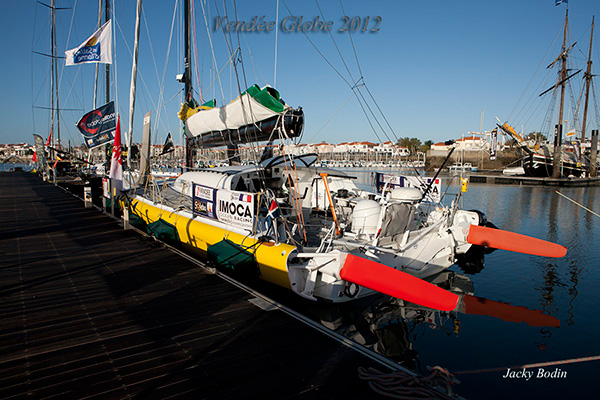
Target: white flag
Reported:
[(96, 49)]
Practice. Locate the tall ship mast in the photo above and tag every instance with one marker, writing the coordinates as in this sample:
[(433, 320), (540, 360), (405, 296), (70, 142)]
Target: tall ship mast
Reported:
[(542, 161), (556, 162)]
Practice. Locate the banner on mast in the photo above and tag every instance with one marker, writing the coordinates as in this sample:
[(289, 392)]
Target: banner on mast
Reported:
[(493, 144), (40, 153), (96, 49), (577, 150), (39, 148), (98, 126)]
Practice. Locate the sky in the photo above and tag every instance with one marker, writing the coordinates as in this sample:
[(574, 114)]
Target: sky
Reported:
[(434, 70)]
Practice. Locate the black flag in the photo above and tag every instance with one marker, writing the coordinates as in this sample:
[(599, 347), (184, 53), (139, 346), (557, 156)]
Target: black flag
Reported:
[(98, 126), (168, 147)]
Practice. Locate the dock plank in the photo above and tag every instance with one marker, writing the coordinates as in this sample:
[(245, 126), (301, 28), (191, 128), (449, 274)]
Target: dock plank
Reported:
[(89, 310)]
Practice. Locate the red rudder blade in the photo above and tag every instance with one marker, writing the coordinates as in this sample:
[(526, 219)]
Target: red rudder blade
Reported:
[(390, 281), (505, 240)]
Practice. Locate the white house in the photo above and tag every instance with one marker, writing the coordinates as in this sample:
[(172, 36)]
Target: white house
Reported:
[(20, 150), (385, 150), (471, 143), (324, 149), (441, 146)]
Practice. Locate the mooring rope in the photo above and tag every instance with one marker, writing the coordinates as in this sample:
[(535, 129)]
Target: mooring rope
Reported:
[(542, 364), (585, 208), (400, 385)]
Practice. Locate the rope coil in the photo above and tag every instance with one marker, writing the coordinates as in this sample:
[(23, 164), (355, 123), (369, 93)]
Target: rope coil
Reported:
[(401, 385)]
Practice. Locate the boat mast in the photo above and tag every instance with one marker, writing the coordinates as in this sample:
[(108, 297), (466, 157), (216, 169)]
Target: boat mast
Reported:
[(97, 64), (588, 81), (187, 75), (592, 169), (52, 65), (107, 17), (556, 161), (54, 80), (107, 78), (132, 90)]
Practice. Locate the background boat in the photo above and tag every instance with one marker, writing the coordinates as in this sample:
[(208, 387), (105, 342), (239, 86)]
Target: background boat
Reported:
[(462, 167), (566, 119)]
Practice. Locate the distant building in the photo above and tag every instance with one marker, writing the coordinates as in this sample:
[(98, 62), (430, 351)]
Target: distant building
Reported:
[(356, 150), (177, 154), (468, 143), (324, 149), (472, 143), (441, 146), (361, 147), (20, 150), (391, 149)]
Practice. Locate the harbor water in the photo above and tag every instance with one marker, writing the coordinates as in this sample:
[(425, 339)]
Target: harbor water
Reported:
[(535, 310), (8, 167), (566, 288)]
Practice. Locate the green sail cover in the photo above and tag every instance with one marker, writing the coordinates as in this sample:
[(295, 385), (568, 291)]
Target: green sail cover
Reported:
[(268, 97), (210, 104), (192, 103), (252, 90)]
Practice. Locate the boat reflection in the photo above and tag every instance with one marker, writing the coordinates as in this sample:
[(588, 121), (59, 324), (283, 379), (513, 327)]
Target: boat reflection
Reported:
[(385, 324)]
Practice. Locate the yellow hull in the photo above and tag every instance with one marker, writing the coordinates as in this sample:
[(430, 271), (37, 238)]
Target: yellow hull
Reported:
[(271, 258)]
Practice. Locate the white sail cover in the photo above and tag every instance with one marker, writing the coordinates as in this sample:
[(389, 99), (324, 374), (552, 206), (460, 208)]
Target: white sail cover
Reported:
[(240, 112)]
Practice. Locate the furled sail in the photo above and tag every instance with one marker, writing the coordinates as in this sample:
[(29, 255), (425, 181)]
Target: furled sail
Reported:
[(518, 138), (252, 117)]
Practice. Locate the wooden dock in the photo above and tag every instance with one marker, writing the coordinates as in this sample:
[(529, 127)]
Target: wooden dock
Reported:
[(89, 310)]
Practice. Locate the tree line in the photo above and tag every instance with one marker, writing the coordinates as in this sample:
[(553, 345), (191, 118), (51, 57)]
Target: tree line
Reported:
[(414, 145)]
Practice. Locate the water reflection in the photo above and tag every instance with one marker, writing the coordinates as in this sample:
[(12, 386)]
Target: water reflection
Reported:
[(568, 218), (540, 212), (566, 288), (389, 326), (591, 204), (551, 281), (473, 261), (574, 271), (553, 218)]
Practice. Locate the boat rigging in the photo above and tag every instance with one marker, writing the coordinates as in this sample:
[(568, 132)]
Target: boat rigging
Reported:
[(570, 159), (304, 227)]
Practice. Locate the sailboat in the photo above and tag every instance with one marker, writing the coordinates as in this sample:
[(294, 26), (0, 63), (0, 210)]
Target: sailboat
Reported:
[(543, 161), (54, 161), (305, 227)]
